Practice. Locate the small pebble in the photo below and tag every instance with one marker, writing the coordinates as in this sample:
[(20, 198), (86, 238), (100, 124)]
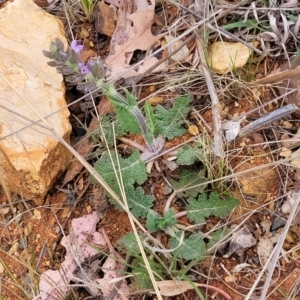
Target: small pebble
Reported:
[(89, 209), (23, 243)]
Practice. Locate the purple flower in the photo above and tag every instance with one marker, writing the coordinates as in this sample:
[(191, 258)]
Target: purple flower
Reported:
[(77, 48), (84, 69)]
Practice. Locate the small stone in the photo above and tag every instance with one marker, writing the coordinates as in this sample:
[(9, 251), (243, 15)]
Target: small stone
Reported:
[(287, 125), (28, 229), (224, 57), (23, 243), (229, 278), (37, 214), (4, 211), (13, 248), (258, 137), (89, 209), (1, 268)]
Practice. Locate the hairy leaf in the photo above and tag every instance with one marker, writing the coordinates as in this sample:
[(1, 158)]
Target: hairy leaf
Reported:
[(188, 155), (152, 125), (170, 121), (112, 129), (204, 207), (133, 171), (123, 109), (192, 247), (129, 243), (189, 178), (138, 202)]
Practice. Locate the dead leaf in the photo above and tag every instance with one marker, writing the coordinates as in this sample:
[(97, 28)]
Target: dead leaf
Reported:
[(240, 240), (182, 54), (296, 159), (171, 288), (287, 206), (288, 142), (285, 152), (222, 57), (266, 242), (130, 35), (105, 18), (116, 3), (78, 245)]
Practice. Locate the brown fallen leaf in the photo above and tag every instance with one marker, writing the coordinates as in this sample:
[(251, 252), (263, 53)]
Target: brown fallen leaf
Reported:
[(171, 288), (84, 147), (182, 54), (133, 32)]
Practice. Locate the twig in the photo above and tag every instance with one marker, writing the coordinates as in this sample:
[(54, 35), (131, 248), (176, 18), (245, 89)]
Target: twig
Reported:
[(216, 107), (268, 119), (209, 129), (284, 75)]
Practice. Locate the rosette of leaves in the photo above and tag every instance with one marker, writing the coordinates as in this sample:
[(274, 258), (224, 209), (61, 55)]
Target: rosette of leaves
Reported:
[(157, 222)]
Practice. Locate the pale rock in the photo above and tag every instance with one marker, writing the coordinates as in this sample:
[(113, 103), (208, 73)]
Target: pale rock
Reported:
[(223, 57), (30, 158)]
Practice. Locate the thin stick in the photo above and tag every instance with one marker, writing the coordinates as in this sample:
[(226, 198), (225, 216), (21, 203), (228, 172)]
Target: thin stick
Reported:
[(284, 75), (268, 119), (216, 107)]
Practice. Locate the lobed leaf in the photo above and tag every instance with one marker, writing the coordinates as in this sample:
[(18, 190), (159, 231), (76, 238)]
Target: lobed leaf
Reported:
[(204, 207), (192, 247), (170, 121), (122, 108), (188, 179), (188, 155), (138, 202)]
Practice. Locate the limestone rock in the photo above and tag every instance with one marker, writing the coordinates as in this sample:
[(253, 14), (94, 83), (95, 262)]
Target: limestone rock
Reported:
[(223, 57), (30, 158)]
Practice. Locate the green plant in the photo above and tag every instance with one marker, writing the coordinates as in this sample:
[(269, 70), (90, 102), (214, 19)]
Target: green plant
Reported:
[(127, 175), (190, 246), (132, 171), (87, 6)]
